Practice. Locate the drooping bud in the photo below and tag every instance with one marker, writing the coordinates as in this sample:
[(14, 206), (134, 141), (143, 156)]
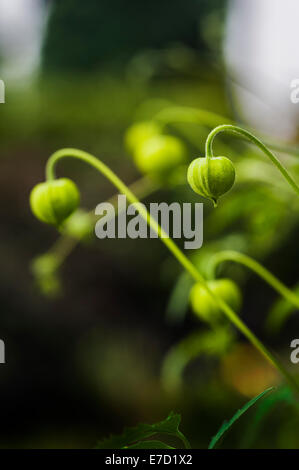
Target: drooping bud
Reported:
[(139, 132), (160, 155), (203, 304), (53, 201), (211, 177)]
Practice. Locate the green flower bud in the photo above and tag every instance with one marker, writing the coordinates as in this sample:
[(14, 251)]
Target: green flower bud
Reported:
[(44, 265), (45, 271), (139, 132), (79, 225), (211, 177), (53, 201), (205, 307), (159, 155)]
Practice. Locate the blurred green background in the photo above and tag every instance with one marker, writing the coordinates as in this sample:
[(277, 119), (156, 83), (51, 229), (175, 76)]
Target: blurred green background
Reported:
[(87, 361)]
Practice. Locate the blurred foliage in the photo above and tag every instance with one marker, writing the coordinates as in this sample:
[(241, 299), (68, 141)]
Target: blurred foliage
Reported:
[(89, 361), (208, 343), (82, 38), (244, 370), (227, 424), (140, 436), (137, 437), (246, 220), (281, 396)]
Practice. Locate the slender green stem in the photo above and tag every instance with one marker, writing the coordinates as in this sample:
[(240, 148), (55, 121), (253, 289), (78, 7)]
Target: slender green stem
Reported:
[(177, 115), (283, 148), (187, 114), (256, 267), (280, 312), (65, 244), (62, 248), (212, 342), (116, 181), (169, 243), (251, 138)]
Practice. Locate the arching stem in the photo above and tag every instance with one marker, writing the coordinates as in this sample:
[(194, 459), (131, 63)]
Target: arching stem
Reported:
[(65, 244), (212, 342), (251, 138), (169, 243), (256, 267), (190, 115), (187, 114)]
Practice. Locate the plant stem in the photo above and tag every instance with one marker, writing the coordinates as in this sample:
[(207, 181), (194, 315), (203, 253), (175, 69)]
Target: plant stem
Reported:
[(230, 255), (65, 244), (187, 114), (169, 243), (212, 342), (251, 138)]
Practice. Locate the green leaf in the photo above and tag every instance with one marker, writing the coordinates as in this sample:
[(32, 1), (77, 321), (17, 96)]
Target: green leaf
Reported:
[(132, 435), (284, 394), (150, 445), (227, 424)]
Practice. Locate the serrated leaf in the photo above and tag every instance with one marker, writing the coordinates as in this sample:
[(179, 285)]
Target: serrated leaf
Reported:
[(227, 424), (150, 445), (132, 435)]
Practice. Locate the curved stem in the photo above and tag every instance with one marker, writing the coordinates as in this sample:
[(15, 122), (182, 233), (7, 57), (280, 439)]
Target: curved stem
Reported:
[(169, 243), (212, 342), (279, 313), (65, 244), (273, 322), (251, 138), (256, 267), (188, 114), (283, 148)]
